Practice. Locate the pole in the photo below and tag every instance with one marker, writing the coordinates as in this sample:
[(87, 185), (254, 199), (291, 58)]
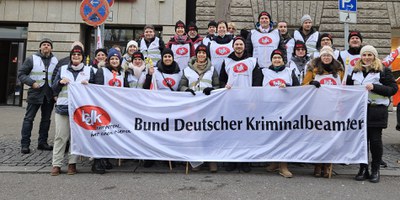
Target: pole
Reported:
[(346, 36)]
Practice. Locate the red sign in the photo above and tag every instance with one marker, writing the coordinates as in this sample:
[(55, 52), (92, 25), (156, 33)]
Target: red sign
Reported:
[(353, 62), (90, 117), (240, 68), (94, 12), (277, 82), (169, 81), (328, 81), (182, 51), (265, 40), (222, 51)]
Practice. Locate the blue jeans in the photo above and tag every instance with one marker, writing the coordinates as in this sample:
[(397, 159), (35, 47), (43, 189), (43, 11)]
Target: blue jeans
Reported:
[(31, 110)]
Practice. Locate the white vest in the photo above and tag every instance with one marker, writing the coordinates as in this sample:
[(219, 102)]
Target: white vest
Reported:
[(206, 40), (373, 78), (135, 82), (349, 61), (299, 74), (263, 45), (181, 54), (240, 73), (162, 79), (153, 51), (218, 53), (275, 79), (109, 78), (328, 79), (62, 98), (311, 43), (289, 49), (38, 72), (193, 79)]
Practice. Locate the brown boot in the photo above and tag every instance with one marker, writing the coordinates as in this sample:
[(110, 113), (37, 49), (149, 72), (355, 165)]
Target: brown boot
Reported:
[(317, 170), (71, 169), (284, 171), (327, 168), (55, 171), (213, 167), (272, 167)]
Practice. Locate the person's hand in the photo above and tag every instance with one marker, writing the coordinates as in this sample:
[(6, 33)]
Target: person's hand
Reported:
[(101, 64), (85, 82), (369, 86), (191, 91), (227, 86), (151, 70), (64, 81), (35, 85), (207, 90), (282, 85), (315, 83)]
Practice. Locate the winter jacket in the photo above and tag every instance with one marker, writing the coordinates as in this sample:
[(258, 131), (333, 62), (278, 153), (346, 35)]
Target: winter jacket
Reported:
[(184, 83)]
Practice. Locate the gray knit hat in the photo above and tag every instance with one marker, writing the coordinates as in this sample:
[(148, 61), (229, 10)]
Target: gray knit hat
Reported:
[(304, 18), (46, 40)]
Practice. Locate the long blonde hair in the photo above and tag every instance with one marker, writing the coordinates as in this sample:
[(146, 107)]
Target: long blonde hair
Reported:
[(375, 66)]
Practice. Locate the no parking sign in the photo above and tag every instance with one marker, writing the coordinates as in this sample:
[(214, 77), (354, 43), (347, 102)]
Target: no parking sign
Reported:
[(94, 12)]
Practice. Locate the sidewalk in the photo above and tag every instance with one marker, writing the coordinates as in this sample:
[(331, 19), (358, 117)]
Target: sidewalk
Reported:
[(11, 160)]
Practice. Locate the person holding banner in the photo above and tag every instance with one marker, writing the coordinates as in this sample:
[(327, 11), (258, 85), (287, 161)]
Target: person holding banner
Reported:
[(181, 45), (74, 72), (100, 58), (136, 71), (381, 85)]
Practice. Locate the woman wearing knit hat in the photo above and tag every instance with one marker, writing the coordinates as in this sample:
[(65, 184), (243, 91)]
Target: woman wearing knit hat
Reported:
[(299, 60), (136, 72), (112, 74), (381, 85), (181, 45), (100, 58), (325, 39), (131, 47)]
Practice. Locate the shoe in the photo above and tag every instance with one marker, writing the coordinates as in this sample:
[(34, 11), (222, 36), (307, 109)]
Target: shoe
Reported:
[(383, 164), (213, 167), (317, 170), (71, 169), (284, 171), (230, 167), (245, 167), (326, 169), (273, 167), (375, 174), (106, 163), (363, 173), (25, 150), (148, 163), (45, 147), (97, 167), (55, 171)]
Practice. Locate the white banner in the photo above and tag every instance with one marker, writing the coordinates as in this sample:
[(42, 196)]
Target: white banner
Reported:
[(294, 124)]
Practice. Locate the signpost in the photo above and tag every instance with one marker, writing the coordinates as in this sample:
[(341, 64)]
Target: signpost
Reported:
[(94, 12), (347, 14)]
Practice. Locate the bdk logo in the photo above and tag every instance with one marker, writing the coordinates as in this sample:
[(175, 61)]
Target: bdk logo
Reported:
[(265, 40), (115, 83), (353, 62), (90, 117), (223, 51), (169, 81), (328, 81), (277, 82), (240, 68), (182, 51)]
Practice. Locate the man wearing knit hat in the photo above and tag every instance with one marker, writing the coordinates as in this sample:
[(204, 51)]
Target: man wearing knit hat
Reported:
[(181, 45), (211, 29), (307, 34), (349, 57), (150, 45), (263, 39), (36, 72), (194, 35)]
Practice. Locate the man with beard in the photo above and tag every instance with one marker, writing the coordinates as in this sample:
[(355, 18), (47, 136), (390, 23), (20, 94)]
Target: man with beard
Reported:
[(286, 38)]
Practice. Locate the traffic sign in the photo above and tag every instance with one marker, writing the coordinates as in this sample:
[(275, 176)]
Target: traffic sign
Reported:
[(348, 17), (94, 12), (348, 5), (110, 2)]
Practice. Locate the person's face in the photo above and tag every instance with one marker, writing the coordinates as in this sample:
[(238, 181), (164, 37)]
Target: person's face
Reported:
[(168, 59), (238, 47), (114, 61), (264, 21), (137, 61), (100, 56), (367, 58), (355, 41), (277, 60), (300, 52), (212, 30), (192, 33), (282, 27), (326, 58), (307, 25), (132, 49), (180, 31), (148, 34), (325, 41), (221, 29), (45, 48), (231, 29), (201, 56), (76, 58)]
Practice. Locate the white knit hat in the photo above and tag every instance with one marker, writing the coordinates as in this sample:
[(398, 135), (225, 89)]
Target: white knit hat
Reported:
[(130, 43), (304, 18), (326, 50), (369, 48)]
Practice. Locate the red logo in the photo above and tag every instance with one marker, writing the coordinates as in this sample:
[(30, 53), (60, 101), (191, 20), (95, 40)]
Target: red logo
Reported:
[(115, 83), (277, 82), (182, 51), (90, 117), (240, 68), (328, 81), (265, 40), (169, 81), (353, 62), (223, 51)]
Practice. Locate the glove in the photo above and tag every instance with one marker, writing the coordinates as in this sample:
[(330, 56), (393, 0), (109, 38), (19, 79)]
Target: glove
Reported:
[(207, 90), (191, 91), (315, 83)]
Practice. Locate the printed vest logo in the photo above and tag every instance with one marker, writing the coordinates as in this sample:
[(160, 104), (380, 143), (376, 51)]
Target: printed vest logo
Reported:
[(170, 81), (353, 62), (223, 51), (240, 68), (277, 82), (90, 117), (182, 51), (115, 83), (265, 40), (328, 81)]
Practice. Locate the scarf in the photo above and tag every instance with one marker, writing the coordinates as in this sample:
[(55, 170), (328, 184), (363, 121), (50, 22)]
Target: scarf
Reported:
[(137, 70), (77, 67), (200, 68), (180, 39)]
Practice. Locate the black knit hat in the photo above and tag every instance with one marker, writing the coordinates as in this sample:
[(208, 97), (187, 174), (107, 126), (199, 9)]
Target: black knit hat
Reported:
[(100, 50), (167, 51), (212, 23), (76, 49), (179, 24), (323, 35), (238, 38), (298, 45), (277, 52), (192, 26), (355, 33), (137, 54), (201, 47), (264, 13)]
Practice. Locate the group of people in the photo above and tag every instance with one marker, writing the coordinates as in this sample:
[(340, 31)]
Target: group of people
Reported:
[(263, 57)]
